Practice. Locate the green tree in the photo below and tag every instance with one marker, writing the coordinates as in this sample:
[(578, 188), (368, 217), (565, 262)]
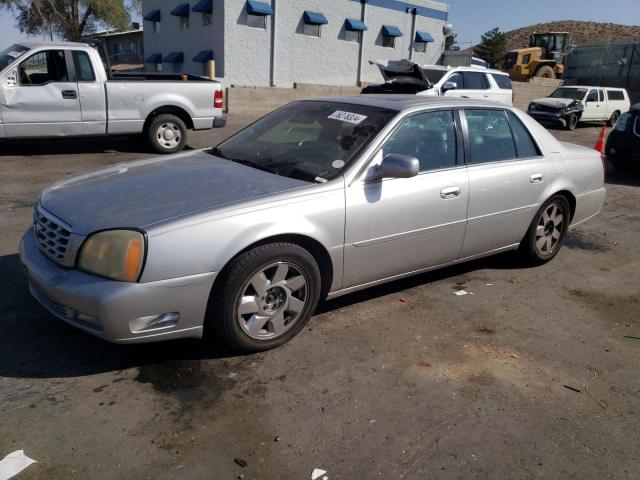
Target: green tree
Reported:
[(492, 47), (450, 41), (69, 19)]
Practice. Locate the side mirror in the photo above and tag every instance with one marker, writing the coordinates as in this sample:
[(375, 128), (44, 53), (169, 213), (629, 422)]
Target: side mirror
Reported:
[(449, 86), (398, 166)]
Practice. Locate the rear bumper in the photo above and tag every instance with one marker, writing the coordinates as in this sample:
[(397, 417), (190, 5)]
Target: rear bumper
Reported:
[(209, 122), (219, 122), (119, 312)]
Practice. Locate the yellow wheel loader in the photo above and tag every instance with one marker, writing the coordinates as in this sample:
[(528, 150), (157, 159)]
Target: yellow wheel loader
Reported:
[(543, 58)]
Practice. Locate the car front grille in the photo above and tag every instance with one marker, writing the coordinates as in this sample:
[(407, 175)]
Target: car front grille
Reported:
[(547, 108), (52, 235)]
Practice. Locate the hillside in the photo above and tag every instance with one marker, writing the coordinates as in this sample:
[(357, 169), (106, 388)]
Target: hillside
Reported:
[(581, 32)]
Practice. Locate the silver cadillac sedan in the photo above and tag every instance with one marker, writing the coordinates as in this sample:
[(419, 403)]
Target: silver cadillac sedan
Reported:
[(315, 200)]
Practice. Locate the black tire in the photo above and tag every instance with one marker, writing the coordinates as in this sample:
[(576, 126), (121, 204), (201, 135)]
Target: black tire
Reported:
[(545, 72), (223, 314), (529, 250), (172, 125), (572, 121), (614, 118)]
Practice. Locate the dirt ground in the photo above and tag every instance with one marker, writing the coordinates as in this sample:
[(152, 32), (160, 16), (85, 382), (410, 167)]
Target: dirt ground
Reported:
[(529, 377)]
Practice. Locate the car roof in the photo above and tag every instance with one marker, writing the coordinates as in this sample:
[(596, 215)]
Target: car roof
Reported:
[(472, 68), (404, 102), (592, 86), (31, 44)]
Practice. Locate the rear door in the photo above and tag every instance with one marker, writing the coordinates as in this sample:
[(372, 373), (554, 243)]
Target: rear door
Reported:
[(93, 104), (45, 100), (474, 85), (507, 179), (399, 225)]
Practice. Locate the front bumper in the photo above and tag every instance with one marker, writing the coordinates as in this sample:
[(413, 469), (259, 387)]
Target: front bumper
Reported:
[(117, 311), (548, 117)]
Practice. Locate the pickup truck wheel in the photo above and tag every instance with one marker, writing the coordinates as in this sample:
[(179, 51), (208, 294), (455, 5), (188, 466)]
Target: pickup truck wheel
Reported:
[(543, 240), (572, 121), (266, 297), (614, 118), (167, 134)]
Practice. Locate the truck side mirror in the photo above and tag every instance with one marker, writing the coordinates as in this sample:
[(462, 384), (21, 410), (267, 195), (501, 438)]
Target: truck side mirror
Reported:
[(449, 86)]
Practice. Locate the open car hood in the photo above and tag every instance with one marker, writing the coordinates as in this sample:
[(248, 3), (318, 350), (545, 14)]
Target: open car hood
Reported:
[(402, 70)]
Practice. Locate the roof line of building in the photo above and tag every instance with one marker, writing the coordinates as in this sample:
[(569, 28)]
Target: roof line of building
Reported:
[(406, 6)]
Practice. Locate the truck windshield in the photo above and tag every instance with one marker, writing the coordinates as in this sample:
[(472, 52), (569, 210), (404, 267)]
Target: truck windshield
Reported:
[(8, 55), (307, 140), (572, 93)]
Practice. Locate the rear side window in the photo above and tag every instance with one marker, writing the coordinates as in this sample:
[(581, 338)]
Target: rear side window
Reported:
[(475, 81), (525, 146), (490, 138), (84, 70), (503, 81), (615, 95)]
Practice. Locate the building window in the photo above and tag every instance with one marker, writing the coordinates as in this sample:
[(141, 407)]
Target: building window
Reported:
[(388, 41), (256, 21), (184, 23), (156, 27), (420, 47), (311, 30), (206, 18), (352, 35), (257, 13), (158, 67), (313, 21), (389, 34)]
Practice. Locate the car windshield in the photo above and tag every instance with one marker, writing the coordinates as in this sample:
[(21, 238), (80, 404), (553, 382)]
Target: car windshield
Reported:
[(307, 140), (8, 55), (434, 75), (572, 93)]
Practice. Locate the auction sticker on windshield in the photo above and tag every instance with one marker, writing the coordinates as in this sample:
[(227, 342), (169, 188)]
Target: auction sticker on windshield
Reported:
[(348, 117)]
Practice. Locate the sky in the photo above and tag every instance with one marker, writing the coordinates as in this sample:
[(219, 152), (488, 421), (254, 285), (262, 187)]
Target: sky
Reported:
[(471, 18)]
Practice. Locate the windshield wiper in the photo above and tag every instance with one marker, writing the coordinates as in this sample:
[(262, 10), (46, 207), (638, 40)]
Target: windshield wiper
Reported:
[(249, 163)]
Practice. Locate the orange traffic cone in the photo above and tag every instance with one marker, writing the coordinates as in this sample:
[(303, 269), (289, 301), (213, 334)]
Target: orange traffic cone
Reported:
[(599, 146)]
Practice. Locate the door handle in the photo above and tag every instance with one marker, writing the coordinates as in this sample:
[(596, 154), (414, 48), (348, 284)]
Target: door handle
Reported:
[(450, 192), (69, 94), (536, 178), (464, 96)]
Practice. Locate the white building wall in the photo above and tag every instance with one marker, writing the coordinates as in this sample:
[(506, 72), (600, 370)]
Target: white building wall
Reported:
[(244, 55)]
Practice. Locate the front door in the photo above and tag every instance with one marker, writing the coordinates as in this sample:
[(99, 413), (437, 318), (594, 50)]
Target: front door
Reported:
[(593, 108), (44, 102), (470, 85), (401, 225), (508, 176)]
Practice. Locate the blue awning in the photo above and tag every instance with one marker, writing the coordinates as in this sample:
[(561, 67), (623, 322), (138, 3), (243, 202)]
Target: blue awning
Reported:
[(154, 58), (355, 25), (174, 57), (152, 16), (391, 31), (424, 37), (203, 56), (181, 10), (203, 6), (259, 8), (315, 18)]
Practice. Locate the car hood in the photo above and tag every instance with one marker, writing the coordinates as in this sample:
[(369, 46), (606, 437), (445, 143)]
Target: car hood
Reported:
[(554, 102), (402, 70), (142, 193)]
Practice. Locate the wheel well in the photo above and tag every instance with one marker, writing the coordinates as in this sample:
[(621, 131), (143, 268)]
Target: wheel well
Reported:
[(171, 110), (315, 248), (571, 199)]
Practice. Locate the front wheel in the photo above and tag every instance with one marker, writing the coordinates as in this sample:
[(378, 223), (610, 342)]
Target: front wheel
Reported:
[(572, 121), (543, 240), (166, 134), (266, 297)]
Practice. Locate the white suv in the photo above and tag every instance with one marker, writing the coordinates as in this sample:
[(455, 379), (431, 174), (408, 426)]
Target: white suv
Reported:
[(404, 76)]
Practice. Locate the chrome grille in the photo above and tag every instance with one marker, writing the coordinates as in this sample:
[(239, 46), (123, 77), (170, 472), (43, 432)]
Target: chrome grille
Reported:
[(52, 234)]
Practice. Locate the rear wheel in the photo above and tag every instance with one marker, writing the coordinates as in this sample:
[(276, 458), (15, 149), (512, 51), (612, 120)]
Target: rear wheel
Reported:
[(614, 119), (546, 72), (167, 134), (571, 121), (267, 296), (544, 238)]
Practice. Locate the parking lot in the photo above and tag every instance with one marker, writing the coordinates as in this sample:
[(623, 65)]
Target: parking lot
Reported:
[(530, 375)]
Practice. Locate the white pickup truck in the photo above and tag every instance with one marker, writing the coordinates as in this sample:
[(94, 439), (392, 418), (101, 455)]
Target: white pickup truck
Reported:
[(64, 89)]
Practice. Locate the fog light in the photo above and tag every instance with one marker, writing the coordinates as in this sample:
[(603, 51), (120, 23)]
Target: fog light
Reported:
[(154, 322)]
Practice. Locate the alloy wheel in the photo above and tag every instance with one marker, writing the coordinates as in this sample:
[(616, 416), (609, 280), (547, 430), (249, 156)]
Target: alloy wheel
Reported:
[(549, 229)]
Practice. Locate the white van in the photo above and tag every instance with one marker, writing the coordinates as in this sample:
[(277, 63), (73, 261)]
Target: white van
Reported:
[(570, 105), (404, 76)]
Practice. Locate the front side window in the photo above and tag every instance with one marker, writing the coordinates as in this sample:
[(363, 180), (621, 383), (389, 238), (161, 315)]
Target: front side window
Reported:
[(526, 59), (44, 67), (256, 21), (82, 64), (593, 96), (525, 146), (352, 35), (475, 81), (457, 79), (490, 138), (430, 137), (311, 30), (420, 47), (307, 140)]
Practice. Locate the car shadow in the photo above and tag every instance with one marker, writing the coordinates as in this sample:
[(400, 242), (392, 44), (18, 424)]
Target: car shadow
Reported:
[(76, 145), (35, 344), (615, 177)]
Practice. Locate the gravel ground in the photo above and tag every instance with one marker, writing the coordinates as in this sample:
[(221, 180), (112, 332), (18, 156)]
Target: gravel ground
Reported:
[(405, 380)]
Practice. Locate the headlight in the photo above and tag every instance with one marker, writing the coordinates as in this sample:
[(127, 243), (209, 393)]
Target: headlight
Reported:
[(115, 254)]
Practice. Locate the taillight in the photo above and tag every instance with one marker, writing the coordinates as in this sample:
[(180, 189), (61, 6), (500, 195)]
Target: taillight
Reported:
[(218, 99)]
